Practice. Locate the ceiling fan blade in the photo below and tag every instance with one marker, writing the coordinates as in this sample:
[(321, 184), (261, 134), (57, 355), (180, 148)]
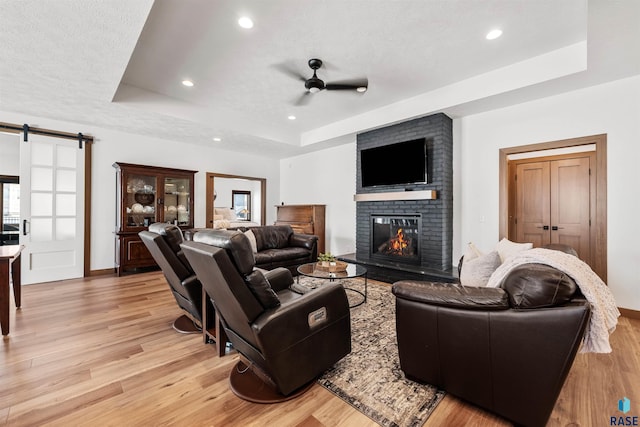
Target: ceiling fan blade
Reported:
[(347, 84), (289, 71), (303, 99)]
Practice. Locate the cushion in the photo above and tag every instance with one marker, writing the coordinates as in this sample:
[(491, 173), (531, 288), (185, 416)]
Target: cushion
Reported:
[(268, 256), (451, 295), (472, 252), (272, 236), (538, 285), (478, 270), (172, 234), (261, 289), (236, 244), (252, 240), (506, 248)]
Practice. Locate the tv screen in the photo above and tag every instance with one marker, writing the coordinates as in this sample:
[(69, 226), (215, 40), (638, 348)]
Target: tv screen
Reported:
[(394, 164)]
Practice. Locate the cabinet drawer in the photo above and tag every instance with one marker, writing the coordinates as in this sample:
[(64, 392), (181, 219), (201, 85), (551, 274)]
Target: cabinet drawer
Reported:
[(135, 253)]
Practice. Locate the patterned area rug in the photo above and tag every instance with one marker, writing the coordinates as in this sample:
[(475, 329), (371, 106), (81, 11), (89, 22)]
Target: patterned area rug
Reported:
[(369, 378)]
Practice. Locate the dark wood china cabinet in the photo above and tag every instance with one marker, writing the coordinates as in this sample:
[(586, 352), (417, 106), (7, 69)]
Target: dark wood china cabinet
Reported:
[(148, 194)]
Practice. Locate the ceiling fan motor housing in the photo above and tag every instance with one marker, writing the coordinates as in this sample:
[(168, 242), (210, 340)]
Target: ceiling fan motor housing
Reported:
[(315, 63), (314, 84)]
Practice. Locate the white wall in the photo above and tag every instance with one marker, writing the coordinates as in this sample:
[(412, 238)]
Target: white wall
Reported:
[(325, 177), (113, 146), (9, 154), (612, 109), (328, 177)]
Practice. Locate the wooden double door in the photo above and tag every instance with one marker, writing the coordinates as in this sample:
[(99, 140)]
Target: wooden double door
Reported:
[(552, 201)]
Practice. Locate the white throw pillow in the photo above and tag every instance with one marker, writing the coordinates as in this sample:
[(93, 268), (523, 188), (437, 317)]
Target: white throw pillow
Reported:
[(477, 270), (472, 252), (506, 248), (252, 240)]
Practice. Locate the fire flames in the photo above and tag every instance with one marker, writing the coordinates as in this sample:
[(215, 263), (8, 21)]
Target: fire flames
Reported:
[(397, 244)]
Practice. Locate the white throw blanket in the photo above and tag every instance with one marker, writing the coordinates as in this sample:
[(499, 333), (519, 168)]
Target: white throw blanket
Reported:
[(604, 313)]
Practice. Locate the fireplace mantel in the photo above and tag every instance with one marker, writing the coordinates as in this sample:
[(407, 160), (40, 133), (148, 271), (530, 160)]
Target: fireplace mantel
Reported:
[(396, 195)]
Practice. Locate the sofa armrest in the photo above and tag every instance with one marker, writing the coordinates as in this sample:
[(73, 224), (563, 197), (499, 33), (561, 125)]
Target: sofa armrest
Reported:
[(308, 241), (279, 278), (300, 316), (452, 295)]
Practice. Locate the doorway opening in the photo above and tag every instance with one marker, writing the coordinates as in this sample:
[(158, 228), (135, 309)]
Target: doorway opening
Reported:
[(9, 210), (215, 198)]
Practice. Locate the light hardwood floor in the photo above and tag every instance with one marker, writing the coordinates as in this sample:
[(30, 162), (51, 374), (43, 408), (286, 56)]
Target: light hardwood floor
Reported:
[(101, 351)]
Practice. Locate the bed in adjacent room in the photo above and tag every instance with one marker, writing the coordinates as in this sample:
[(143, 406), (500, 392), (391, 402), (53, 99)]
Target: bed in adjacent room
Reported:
[(227, 218)]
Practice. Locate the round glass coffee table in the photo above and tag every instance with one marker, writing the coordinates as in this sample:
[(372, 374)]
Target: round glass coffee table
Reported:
[(352, 271)]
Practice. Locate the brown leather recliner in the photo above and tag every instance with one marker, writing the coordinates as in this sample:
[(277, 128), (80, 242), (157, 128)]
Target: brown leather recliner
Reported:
[(507, 350), (291, 338), (163, 242)]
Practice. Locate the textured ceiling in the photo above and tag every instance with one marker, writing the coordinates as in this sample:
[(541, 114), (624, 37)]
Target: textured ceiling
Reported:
[(119, 63)]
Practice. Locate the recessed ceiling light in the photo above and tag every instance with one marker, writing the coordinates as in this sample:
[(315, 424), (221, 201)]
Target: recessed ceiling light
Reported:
[(291, 117), (361, 89), (245, 22), (494, 34), (217, 139), (187, 83)]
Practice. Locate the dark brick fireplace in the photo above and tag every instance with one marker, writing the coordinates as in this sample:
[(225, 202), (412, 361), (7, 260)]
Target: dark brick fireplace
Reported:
[(433, 257)]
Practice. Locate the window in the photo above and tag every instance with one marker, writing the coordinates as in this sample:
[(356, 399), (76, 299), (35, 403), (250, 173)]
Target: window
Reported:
[(241, 204)]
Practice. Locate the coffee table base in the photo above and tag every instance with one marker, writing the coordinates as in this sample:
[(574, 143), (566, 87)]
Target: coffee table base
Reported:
[(352, 271), (363, 294)]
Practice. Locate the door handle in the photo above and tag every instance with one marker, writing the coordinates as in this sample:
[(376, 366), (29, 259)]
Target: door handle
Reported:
[(555, 227), (24, 227), (544, 227)]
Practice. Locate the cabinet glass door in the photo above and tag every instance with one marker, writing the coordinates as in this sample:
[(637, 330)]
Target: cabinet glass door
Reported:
[(177, 201), (140, 200)]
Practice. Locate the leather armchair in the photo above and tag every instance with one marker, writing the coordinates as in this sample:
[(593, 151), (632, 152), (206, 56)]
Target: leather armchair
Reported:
[(163, 241), (289, 338), (507, 350)]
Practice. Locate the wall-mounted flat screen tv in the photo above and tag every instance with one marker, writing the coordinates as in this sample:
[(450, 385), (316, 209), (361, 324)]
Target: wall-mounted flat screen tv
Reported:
[(394, 164)]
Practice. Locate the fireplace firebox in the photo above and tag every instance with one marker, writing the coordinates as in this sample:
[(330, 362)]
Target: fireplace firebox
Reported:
[(396, 238)]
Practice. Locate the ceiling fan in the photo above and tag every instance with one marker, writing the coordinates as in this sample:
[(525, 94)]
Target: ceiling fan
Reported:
[(314, 84)]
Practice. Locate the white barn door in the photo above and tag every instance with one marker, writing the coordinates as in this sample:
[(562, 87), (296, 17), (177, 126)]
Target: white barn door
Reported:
[(51, 208)]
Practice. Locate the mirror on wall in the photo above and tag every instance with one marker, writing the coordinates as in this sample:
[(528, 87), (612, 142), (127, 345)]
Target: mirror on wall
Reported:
[(235, 201)]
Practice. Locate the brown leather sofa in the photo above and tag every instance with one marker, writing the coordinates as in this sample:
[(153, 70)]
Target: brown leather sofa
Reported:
[(507, 350), (279, 246), (290, 338)]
